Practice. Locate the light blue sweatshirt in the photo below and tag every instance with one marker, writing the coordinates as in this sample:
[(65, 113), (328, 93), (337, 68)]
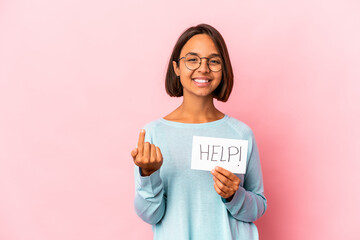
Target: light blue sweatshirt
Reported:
[(181, 203)]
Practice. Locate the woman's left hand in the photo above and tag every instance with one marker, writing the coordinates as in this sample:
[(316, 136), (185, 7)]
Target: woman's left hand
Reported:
[(225, 183)]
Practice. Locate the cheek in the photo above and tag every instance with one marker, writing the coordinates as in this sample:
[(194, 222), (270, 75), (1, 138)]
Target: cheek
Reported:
[(185, 73), (219, 77), (185, 79)]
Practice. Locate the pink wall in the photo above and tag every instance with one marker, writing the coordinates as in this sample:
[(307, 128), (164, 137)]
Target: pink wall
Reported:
[(78, 79)]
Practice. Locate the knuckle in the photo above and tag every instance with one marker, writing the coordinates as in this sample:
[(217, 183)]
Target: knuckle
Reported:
[(227, 182)]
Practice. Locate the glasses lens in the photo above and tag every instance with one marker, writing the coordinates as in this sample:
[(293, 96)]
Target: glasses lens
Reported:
[(192, 62), (215, 64)]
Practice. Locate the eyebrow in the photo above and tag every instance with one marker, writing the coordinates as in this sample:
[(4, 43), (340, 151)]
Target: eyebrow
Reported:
[(211, 55)]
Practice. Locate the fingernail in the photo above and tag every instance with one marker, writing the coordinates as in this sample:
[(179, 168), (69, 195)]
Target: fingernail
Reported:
[(142, 130)]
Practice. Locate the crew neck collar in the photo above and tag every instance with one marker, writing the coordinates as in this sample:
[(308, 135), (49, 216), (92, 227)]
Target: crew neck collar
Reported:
[(191, 125)]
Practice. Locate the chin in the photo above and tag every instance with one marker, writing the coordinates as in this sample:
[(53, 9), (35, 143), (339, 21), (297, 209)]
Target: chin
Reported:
[(203, 94)]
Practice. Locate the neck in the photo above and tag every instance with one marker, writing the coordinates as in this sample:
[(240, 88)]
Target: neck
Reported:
[(199, 109)]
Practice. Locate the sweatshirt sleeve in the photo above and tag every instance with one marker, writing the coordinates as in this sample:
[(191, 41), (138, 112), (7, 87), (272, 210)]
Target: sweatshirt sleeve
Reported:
[(149, 200), (149, 197), (249, 202)]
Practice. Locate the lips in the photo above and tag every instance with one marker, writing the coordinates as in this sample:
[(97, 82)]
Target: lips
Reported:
[(202, 82)]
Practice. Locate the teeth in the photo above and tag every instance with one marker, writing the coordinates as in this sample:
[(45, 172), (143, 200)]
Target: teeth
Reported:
[(201, 80)]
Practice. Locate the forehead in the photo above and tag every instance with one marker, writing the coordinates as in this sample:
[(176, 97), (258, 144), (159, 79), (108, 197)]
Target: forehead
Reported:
[(201, 44)]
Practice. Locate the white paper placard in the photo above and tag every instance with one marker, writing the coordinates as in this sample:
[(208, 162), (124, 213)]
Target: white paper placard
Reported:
[(209, 152)]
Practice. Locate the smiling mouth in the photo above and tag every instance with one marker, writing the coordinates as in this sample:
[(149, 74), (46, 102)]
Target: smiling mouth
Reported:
[(201, 80)]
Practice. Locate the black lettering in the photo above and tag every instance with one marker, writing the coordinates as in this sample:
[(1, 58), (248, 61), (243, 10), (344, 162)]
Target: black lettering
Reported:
[(222, 153), (240, 154), (213, 152), (201, 152), (232, 154)]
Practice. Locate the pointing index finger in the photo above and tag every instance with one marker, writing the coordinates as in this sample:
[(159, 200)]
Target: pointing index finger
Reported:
[(141, 141)]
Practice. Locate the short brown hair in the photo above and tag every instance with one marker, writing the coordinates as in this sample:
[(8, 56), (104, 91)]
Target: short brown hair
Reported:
[(172, 84)]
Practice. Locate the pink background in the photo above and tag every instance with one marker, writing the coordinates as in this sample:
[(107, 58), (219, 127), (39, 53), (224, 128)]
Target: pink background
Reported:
[(78, 79)]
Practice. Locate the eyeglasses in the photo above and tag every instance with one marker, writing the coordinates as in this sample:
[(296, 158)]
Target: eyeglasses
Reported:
[(193, 62)]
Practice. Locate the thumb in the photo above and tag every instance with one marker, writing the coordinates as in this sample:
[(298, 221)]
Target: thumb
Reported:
[(134, 152)]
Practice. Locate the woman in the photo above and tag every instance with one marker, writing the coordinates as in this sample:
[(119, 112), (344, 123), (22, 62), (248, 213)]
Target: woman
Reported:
[(180, 202)]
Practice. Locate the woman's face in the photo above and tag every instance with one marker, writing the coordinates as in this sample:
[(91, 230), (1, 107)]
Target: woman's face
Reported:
[(201, 81)]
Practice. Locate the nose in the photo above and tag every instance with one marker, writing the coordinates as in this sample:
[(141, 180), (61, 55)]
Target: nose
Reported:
[(204, 67)]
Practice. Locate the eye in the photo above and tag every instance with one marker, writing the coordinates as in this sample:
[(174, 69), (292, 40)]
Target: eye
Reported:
[(215, 61), (192, 59)]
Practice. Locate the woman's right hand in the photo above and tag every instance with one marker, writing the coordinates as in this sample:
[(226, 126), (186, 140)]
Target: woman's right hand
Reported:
[(147, 156)]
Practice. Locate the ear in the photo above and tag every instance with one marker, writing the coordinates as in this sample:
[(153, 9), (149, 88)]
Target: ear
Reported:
[(176, 68)]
